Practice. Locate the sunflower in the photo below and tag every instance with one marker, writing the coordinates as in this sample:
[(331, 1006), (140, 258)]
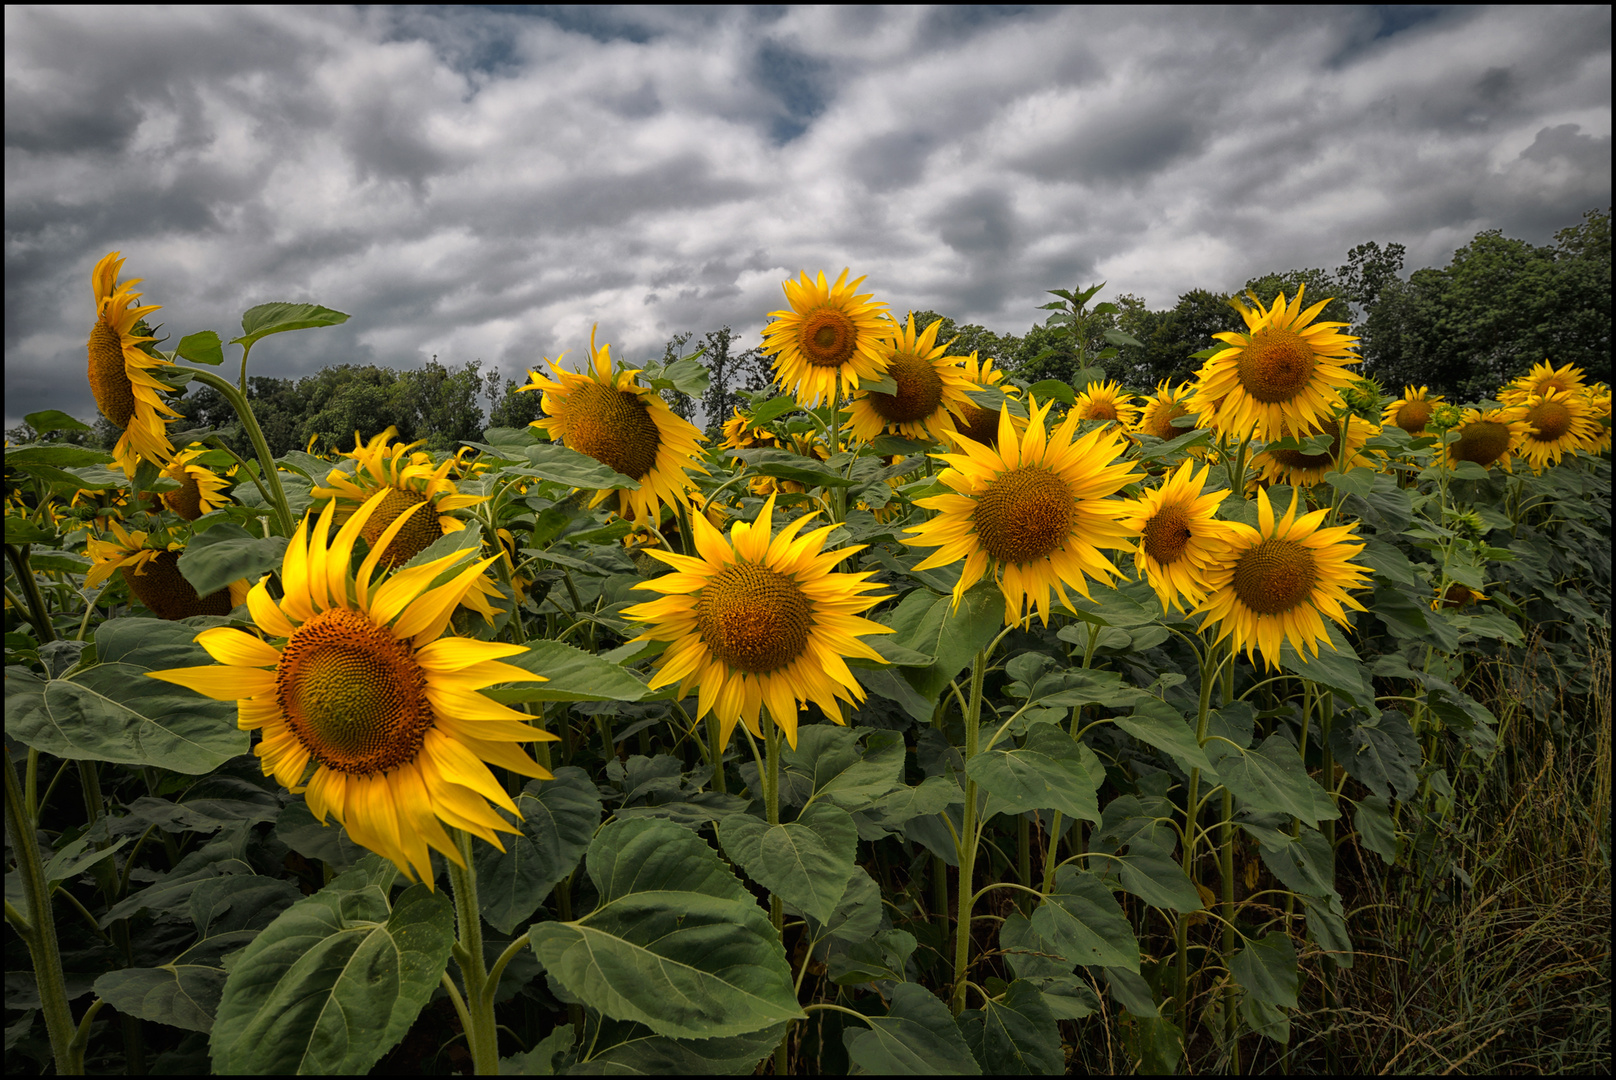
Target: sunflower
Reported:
[(739, 434), (1282, 372), (1599, 411), (1180, 537), (1540, 380), (1107, 401), (1304, 470), (201, 490), (828, 340), (624, 426), (1558, 423), (367, 689), (1489, 437), (120, 370), (1457, 596), (407, 481), (932, 391), (760, 620), (1276, 580), (153, 576), (1036, 510), (1412, 411), (976, 423), (1165, 406)]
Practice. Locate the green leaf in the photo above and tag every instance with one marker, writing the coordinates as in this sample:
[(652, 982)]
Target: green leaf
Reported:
[(1050, 772), (1083, 920), (805, 862), (540, 1061), (1336, 666), (1271, 777), (928, 623), (894, 687), (328, 843), (113, 712), (827, 764), (553, 461), (61, 455), (677, 943), (1152, 874), (1153, 1042), (559, 817), (688, 377), (224, 855), (1327, 926), (1015, 1035), (203, 347), (1306, 866), (1380, 752), (48, 420), (1156, 723), (773, 409), (19, 530), (574, 675), (265, 319), (1052, 388), (789, 466), (227, 553), (645, 1054), (334, 982), (1359, 482), (881, 958), (1267, 969), (882, 385), (917, 1037), (858, 913), (1377, 829)]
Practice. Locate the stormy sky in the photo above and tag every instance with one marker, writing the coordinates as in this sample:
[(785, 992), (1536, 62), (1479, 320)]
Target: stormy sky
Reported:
[(486, 184)]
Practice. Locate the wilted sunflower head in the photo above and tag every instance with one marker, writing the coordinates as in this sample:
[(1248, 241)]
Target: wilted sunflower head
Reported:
[(828, 340), (120, 369)]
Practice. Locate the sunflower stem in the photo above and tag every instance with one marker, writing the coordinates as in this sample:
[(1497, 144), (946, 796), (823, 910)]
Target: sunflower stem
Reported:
[(266, 461), (968, 836), (481, 1036), (777, 914), (1231, 1026), (715, 735), (38, 613), (1209, 674)]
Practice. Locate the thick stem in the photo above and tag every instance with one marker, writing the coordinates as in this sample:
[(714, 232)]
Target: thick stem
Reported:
[(266, 461), (968, 836), (1209, 674), (38, 613), (715, 734), (482, 1038), (777, 914), (1230, 1020)]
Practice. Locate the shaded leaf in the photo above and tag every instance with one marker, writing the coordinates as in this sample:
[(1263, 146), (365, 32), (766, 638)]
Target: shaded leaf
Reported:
[(805, 862), (559, 817), (917, 1037), (1083, 920), (1015, 1035)]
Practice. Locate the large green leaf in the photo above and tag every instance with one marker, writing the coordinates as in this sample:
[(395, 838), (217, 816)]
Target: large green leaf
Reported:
[(1015, 1035), (1151, 873), (930, 624), (171, 894), (336, 980), (917, 1037), (645, 1054), (805, 862), (558, 818), (226, 553), (1270, 777), (788, 466), (1267, 969), (48, 420), (1306, 865), (1050, 772), (677, 943), (881, 958), (571, 674), (1381, 752), (1083, 920), (858, 912), (1336, 666), (265, 319), (827, 763), (1156, 723), (554, 461)]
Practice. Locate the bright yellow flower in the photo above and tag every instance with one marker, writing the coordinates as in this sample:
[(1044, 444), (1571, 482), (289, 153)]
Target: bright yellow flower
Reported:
[(1542, 379), (760, 620), (1489, 438), (828, 340), (1180, 536), (1412, 411), (1165, 406), (1036, 510), (201, 490), (1558, 423), (932, 390), (1107, 401), (367, 689), (976, 423), (1304, 470), (120, 371)]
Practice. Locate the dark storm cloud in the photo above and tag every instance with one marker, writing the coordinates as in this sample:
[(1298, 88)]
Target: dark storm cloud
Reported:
[(490, 183)]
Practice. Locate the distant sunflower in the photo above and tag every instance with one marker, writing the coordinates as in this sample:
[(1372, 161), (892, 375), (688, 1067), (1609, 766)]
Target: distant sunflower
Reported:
[(120, 371), (408, 481), (1304, 470), (1558, 424), (623, 425), (1107, 401), (1180, 536), (1457, 596), (1286, 370), (153, 576), (367, 689), (201, 490), (976, 423), (1036, 509), (1599, 412), (1412, 411), (740, 434), (760, 620), (1278, 578), (1542, 379), (828, 341), (932, 390), (1162, 408), (1489, 438)]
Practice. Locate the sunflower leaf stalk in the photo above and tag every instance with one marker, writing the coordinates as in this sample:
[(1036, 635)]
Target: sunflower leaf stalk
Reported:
[(266, 461), (482, 1038), (968, 837)]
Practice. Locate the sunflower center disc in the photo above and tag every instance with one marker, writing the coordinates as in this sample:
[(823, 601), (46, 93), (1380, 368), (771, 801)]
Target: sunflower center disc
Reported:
[(1482, 441), (161, 587), (1295, 459), (1276, 576), (1413, 417), (614, 427), (415, 537), (1024, 515), (1276, 365), (1167, 534), (108, 379), (353, 694), (920, 391), (1100, 410), (981, 425), (754, 619), (828, 338), (187, 501), (1161, 424), (1550, 420)]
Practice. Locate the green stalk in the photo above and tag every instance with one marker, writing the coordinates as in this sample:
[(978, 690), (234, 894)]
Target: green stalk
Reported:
[(1231, 1026), (715, 734), (482, 1038), (266, 461), (777, 913), (38, 613), (1191, 837), (968, 837)]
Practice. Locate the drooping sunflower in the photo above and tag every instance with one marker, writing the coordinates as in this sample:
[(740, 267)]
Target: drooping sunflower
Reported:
[(828, 341), (406, 480), (1304, 470), (1286, 370), (1107, 401), (1277, 579), (1489, 438), (976, 423), (1036, 509), (624, 426), (1180, 536), (932, 390), (1162, 408), (201, 490), (1558, 424), (366, 687), (739, 434), (153, 575), (1412, 411), (120, 370), (1540, 381), (760, 620)]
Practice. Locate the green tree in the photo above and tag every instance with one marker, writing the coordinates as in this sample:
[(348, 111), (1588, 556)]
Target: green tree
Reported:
[(1321, 285), (730, 373), (443, 403), (969, 338), (1169, 339)]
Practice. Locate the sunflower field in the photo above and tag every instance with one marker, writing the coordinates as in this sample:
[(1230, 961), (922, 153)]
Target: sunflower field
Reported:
[(922, 722)]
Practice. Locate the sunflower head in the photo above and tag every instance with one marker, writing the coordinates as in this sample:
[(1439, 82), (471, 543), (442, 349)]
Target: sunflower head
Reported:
[(201, 490), (760, 620), (1299, 468), (828, 340), (930, 389), (152, 573), (1487, 438), (974, 422), (1558, 424), (1180, 536), (1162, 408), (1413, 411), (120, 369), (1107, 402), (1540, 381)]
